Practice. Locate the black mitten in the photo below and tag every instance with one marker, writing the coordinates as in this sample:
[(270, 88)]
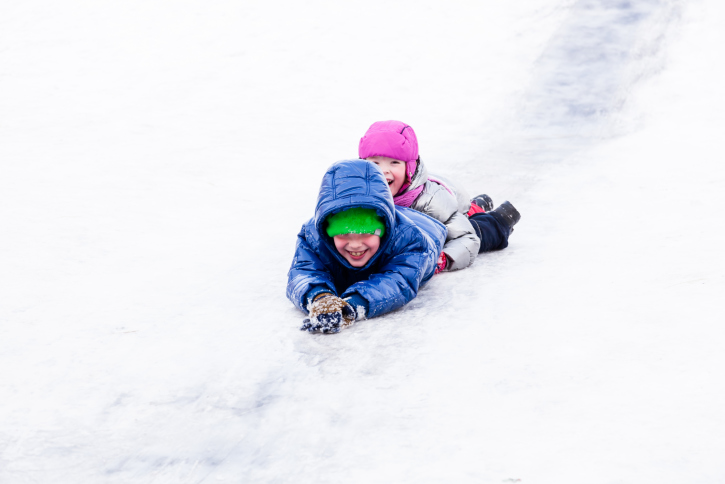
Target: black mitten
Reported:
[(329, 314)]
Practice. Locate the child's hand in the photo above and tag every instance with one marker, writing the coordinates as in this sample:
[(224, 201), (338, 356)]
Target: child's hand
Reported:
[(442, 263), (329, 314)]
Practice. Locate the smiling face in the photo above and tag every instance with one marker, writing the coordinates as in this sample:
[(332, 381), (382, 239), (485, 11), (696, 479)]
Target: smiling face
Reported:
[(357, 249), (394, 171)]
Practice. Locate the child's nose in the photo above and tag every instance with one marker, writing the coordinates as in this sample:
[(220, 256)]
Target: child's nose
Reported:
[(355, 244)]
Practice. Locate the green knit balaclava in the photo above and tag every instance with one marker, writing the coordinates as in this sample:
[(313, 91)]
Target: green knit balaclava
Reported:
[(355, 221)]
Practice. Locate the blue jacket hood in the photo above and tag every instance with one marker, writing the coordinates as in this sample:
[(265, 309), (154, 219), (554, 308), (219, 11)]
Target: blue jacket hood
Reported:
[(354, 183)]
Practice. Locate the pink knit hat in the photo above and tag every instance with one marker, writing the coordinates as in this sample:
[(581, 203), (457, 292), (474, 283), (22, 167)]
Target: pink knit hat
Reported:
[(393, 139)]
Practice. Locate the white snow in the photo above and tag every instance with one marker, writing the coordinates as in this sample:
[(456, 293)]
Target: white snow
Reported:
[(158, 159)]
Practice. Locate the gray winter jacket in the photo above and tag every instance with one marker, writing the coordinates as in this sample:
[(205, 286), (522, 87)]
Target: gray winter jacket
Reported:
[(462, 244)]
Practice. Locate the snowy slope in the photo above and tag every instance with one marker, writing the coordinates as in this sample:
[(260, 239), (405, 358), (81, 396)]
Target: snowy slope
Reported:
[(158, 159)]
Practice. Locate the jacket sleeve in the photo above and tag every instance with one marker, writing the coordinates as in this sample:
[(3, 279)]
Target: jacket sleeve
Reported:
[(307, 276), (462, 244), (396, 282)]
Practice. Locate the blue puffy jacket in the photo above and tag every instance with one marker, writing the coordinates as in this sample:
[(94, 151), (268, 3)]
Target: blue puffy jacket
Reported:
[(406, 259)]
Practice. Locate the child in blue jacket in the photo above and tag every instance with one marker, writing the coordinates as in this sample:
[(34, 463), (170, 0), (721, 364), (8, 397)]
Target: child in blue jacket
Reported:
[(360, 255)]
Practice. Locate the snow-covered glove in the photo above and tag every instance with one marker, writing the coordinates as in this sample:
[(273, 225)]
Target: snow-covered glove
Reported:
[(442, 263), (329, 314)]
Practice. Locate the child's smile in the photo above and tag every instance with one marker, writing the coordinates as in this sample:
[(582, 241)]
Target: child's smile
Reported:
[(357, 249), (394, 171)]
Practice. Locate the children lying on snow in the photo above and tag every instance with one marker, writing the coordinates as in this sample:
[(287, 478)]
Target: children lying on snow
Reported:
[(368, 249), (473, 225), (360, 255)]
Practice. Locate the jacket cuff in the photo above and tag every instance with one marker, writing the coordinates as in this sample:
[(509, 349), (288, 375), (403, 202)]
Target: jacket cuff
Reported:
[(359, 303), (314, 292)]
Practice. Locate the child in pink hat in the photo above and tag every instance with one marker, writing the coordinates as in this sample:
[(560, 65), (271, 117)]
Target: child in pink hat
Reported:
[(473, 225)]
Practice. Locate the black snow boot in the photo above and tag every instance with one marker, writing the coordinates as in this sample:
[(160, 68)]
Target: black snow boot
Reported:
[(507, 214), (483, 201)]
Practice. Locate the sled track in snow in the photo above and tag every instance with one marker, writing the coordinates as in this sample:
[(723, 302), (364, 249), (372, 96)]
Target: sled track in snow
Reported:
[(580, 84)]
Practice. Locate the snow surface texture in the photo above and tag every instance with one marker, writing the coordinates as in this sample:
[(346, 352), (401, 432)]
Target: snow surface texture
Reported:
[(158, 159)]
